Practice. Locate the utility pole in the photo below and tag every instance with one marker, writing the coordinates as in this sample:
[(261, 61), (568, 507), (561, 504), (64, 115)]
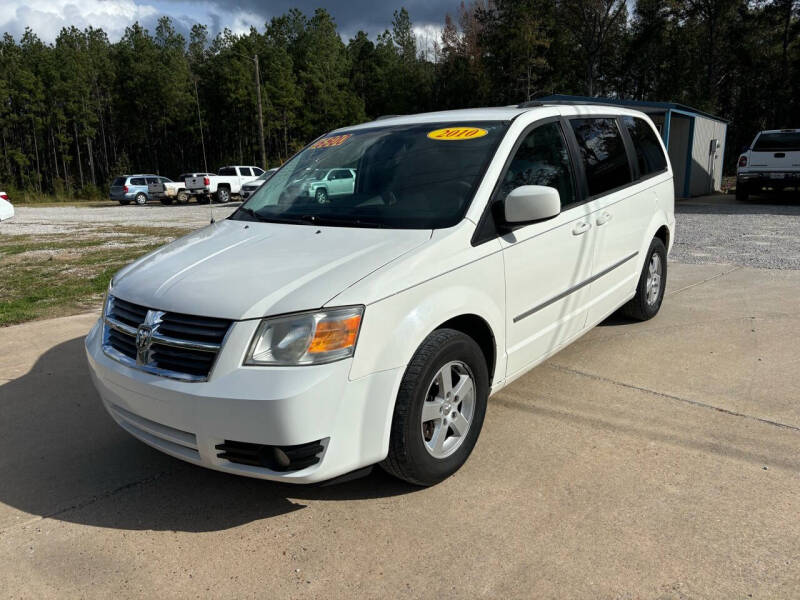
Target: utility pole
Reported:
[(260, 117)]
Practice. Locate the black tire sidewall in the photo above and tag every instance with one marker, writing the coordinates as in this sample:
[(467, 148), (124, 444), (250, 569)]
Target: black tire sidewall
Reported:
[(650, 310), (427, 469)]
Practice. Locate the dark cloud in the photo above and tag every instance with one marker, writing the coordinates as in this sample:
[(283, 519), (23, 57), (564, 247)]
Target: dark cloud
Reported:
[(373, 16)]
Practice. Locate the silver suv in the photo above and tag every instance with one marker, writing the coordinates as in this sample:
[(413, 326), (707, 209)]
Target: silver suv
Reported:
[(133, 188)]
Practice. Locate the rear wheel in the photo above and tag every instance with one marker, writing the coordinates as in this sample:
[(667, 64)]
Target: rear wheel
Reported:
[(223, 195), (650, 290), (439, 410), (742, 193), (183, 197), (141, 199)]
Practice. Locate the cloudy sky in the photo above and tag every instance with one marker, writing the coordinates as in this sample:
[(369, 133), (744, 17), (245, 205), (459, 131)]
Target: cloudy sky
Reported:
[(47, 17)]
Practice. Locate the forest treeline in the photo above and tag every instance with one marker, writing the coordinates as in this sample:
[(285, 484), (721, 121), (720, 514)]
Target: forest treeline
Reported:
[(78, 111)]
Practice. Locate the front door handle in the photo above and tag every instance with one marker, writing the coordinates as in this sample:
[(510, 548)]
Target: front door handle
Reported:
[(581, 228), (603, 218)]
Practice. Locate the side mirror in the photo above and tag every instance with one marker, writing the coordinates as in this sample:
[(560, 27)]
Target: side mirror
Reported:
[(530, 203)]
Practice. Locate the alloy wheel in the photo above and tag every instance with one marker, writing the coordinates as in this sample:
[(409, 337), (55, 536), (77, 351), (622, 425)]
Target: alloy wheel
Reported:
[(448, 409)]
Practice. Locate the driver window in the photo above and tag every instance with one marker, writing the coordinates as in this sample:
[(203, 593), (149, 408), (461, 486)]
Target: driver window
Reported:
[(542, 159)]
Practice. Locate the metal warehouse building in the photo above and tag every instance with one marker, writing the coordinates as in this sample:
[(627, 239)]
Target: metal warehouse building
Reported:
[(695, 141)]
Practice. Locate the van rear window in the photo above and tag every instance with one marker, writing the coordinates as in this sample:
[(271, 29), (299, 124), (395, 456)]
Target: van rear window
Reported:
[(649, 155), (781, 140), (119, 181)]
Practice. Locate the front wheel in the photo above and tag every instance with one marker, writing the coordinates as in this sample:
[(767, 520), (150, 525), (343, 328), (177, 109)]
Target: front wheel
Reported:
[(439, 410), (652, 281), (223, 195), (141, 199), (321, 195)]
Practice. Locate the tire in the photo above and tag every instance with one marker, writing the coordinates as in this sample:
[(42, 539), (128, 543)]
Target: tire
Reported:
[(140, 199), (203, 199), (412, 442), (742, 193), (321, 196), (166, 201), (183, 197), (223, 195), (124, 202), (646, 303)]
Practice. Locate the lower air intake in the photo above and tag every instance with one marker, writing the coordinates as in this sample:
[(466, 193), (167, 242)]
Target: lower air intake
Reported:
[(274, 458)]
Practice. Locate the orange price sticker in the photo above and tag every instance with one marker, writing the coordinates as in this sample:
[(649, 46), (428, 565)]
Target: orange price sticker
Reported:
[(457, 133), (330, 142)]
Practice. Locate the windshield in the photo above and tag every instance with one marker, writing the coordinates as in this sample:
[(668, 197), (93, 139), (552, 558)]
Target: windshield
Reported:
[(420, 176), (767, 142)]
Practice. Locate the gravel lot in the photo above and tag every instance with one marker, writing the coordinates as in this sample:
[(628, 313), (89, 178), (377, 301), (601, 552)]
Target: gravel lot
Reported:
[(34, 220), (762, 233), (710, 230)]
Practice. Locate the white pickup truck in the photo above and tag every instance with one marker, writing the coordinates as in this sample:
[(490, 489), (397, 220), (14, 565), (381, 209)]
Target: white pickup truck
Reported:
[(226, 183), (771, 163)]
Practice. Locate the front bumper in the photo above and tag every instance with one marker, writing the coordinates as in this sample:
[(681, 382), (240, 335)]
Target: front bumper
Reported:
[(275, 406)]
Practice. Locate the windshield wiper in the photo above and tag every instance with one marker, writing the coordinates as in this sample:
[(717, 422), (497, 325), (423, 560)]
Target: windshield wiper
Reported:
[(352, 222), (272, 219)]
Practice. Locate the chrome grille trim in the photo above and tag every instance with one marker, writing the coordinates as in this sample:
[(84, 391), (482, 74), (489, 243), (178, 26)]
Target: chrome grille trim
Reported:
[(156, 344)]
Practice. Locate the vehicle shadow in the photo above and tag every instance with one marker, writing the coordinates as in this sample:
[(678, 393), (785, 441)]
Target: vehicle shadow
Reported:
[(785, 204), (63, 457)]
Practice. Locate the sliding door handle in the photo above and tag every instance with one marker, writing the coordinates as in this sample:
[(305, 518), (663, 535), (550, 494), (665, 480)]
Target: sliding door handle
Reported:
[(603, 218), (581, 228)]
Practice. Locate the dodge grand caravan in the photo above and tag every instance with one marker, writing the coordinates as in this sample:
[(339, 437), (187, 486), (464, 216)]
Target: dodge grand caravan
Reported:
[(301, 341)]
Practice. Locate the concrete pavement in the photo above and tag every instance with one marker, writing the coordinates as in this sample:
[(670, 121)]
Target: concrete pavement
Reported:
[(648, 460)]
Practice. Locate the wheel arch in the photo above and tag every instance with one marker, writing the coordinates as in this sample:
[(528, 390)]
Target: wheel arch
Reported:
[(479, 330)]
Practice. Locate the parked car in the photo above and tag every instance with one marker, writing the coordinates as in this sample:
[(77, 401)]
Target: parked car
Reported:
[(6, 208), (134, 188), (302, 341), (249, 188), (324, 184), (771, 163), (185, 194), (226, 183)]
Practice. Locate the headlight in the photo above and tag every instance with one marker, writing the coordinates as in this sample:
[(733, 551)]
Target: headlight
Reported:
[(107, 299), (307, 338)]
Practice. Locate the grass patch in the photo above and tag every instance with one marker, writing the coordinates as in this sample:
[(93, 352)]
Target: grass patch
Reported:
[(58, 275)]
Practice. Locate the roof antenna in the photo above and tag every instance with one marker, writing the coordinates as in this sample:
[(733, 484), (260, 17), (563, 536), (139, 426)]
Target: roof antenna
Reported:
[(211, 208)]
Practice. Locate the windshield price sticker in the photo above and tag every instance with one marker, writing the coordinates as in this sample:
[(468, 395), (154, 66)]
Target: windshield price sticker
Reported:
[(330, 142), (457, 133)]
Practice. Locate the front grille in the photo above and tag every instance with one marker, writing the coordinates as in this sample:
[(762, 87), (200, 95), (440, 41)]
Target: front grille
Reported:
[(169, 344), (275, 458)]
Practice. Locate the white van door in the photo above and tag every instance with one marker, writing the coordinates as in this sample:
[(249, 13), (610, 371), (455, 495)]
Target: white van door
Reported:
[(624, 202), (547, 264)]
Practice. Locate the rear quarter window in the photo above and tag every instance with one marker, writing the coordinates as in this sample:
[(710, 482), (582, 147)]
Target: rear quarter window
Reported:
[(649, 155), (227, 171), (138, 181), (605, 160)]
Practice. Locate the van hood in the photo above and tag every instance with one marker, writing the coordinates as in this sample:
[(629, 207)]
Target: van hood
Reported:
[(242, 270)]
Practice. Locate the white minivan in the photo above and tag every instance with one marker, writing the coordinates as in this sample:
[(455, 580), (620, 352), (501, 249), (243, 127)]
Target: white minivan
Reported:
[(301, 341)]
